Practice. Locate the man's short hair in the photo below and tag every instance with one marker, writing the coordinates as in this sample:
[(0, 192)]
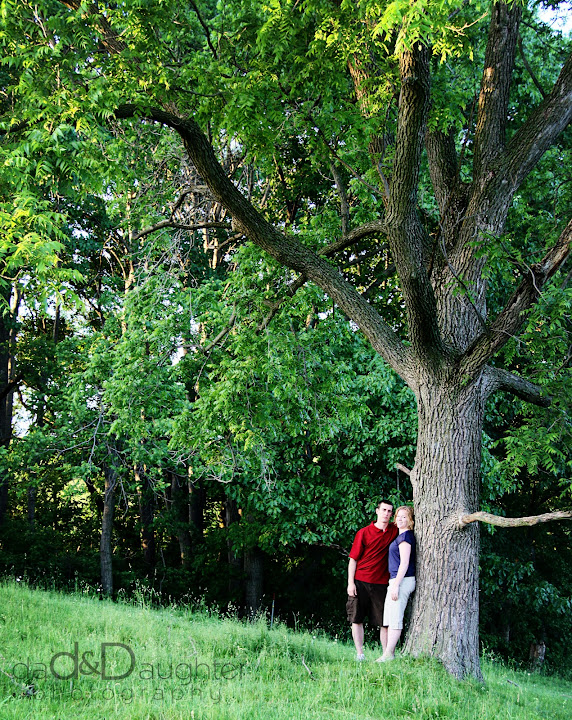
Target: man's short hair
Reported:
[(385, 502)]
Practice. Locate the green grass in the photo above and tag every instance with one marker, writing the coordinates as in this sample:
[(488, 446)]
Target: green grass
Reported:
[(227, 669)]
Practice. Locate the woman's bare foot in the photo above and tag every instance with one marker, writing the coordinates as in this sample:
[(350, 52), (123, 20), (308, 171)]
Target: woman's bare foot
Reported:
[(385, 658)]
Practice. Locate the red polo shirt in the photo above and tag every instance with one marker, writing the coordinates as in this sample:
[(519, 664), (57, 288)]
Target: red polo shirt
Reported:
[(370, 549)]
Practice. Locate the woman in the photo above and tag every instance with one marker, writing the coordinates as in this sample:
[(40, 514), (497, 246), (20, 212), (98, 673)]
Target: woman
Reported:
[(401, 579)]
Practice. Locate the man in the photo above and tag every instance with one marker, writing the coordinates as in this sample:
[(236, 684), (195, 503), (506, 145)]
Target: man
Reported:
[(368, 575)]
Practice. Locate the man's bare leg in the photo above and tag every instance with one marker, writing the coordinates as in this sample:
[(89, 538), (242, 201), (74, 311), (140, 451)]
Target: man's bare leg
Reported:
[(357, 635), (383, 637)]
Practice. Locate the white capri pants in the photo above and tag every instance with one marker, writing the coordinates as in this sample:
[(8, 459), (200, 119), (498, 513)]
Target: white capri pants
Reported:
[(395, 609)]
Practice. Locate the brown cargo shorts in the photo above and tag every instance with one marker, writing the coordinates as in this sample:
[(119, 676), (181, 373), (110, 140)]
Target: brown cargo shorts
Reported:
[(370, 601)]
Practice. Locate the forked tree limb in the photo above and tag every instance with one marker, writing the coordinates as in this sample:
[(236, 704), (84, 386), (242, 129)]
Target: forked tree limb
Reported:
[(500, 521)]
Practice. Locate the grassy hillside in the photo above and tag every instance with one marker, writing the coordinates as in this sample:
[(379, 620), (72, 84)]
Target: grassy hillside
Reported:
[(177, 664)]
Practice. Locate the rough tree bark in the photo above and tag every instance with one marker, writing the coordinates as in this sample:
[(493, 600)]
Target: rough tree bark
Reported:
[(446, 475)]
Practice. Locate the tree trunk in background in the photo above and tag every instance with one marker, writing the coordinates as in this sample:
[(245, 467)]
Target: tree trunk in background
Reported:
[(180, 498), (105, 547), (536, 655), (32, 497), (197, 512), (254, 571), (33, 489), (94, 495), (232, 516), (146, 496), (7, 341), (53, 332)]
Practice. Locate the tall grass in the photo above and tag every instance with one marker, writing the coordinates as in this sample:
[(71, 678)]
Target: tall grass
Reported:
[(186, 663)]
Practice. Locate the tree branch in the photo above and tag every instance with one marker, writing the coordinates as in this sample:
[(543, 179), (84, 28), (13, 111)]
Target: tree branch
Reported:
[(109, 38), (179, 201), (376, 227), (538, 133), (442, 157), (285, 249), (519, 386), (15, 128), (373, 228), (500, 521), (530, 71), (490, 132), (509, 321), (451, 194), (11, 386), (205, 28), (342, 194), (348, 167), (292, 290), (222, 334), (178, 226), (406, 234)]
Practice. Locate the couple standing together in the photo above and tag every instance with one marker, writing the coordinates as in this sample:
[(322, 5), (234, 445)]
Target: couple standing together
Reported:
[(381, 577)]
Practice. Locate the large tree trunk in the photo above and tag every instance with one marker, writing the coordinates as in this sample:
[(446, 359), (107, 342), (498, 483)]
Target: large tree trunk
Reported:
[(445, 479)]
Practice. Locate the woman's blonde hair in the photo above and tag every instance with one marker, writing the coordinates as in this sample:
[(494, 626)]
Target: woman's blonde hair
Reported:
[(409, 510)]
